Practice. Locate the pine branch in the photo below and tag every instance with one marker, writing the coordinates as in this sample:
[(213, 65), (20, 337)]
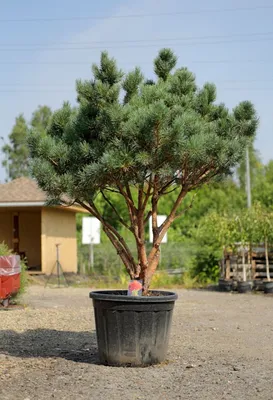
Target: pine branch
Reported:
[(127, 198), (94, 211), (148, 193), (187, 208), (53, 162), (170, 191), (112, 190), (154, 208), (121, 220), (129, 194), (140, 196), (166, 224), (146, 219), (162, 190), (122, 253)]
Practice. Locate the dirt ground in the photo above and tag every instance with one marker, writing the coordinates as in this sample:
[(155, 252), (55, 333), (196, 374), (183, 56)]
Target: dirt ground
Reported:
[(221, 348)]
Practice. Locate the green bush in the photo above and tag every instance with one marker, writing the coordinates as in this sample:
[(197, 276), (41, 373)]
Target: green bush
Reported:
[(205, 265), (4, 250)]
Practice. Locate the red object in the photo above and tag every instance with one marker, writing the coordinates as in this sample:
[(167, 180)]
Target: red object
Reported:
[(10, 270), (135, 285)]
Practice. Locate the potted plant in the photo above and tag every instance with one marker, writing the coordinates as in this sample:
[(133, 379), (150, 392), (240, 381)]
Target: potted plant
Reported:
[(241, 237), (139, 140), (218, 227), (264, 224)]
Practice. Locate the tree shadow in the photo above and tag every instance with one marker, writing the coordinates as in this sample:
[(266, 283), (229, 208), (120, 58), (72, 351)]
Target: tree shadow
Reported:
[(50, 343)]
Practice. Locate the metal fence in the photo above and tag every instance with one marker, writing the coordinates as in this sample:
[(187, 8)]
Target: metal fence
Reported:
[(174, 259)]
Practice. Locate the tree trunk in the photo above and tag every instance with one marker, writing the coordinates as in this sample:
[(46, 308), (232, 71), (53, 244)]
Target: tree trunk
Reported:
[(266, 259), (149, 272)]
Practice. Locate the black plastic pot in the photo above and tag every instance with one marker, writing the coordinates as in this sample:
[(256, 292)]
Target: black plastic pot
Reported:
[(258, 285), (225, 285), (268, 287), (132, 330), (244, 287)]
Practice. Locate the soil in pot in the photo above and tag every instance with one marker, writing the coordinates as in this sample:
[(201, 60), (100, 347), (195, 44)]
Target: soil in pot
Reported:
[(132, 330), (244, 287), (268, 287), (225, 285)]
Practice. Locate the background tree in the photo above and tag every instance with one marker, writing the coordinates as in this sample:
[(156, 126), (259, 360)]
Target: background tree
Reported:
[(256, 168), (167, 136), (17, 152), (263, 222), (262, 189), (16, 161), (40, 118)]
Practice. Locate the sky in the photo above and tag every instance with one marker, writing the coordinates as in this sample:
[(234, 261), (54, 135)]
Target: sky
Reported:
[(46, 46)]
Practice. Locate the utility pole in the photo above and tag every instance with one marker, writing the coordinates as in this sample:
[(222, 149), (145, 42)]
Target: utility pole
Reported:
[(248, 184)]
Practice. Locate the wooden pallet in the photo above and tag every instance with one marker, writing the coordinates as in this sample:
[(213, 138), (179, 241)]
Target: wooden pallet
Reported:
[(233, 267)]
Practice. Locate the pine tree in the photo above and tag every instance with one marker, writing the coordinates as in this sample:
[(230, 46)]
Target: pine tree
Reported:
[(166, 135), (17, 151)]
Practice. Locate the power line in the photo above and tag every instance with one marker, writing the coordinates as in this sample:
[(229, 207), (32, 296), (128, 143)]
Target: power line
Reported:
[(265, 89), (66, 85), (228, 61), (147, 15), (134, 46), (185, 38)]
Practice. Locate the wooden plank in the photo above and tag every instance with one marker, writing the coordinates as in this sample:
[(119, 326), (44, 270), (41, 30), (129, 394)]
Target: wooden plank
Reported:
[(263, 266), (263, 274), (227, 269), (253, 268)]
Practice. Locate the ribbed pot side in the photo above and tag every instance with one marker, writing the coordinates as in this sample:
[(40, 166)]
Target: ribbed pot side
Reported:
[(132, 330)]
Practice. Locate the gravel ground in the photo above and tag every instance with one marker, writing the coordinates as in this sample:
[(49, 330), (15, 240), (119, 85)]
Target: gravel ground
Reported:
[(221, 348)]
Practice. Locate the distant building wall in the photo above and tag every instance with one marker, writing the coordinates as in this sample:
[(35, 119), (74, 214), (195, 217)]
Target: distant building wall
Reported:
[(59, 226)]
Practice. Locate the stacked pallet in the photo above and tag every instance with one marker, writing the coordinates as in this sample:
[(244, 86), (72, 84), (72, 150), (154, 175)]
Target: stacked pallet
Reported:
[(255, 265)]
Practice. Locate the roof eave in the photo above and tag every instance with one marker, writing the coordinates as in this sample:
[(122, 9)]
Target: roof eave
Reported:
[(22, 204)]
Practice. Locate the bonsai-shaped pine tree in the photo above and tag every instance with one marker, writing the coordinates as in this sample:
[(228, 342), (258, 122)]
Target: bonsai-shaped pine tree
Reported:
[(140, 139)]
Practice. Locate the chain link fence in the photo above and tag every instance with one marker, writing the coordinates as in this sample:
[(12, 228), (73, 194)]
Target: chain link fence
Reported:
[(174, 259)]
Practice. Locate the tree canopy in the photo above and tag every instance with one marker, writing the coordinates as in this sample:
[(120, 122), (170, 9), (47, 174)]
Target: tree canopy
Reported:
[(156, 136), (17, 151)]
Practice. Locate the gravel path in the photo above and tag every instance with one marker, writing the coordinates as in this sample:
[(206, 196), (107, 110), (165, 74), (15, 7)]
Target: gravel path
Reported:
[(221, 348)]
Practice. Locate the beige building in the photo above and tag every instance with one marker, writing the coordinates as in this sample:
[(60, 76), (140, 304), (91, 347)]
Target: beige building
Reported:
[(32, 229)]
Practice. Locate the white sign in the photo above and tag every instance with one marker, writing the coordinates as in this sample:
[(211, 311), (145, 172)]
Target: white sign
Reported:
[(160, 220), (90, 230)]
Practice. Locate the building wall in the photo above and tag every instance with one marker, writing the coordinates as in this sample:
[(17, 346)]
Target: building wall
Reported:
[(59, 226)]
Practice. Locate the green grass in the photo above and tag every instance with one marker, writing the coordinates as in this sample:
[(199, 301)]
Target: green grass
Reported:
[(160, 280)]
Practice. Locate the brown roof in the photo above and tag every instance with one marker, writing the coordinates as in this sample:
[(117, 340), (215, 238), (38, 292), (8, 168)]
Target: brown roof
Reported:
[(21, 190)]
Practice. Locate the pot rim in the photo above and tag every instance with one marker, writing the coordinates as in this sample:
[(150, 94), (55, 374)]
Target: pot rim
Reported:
[(121, 296)]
